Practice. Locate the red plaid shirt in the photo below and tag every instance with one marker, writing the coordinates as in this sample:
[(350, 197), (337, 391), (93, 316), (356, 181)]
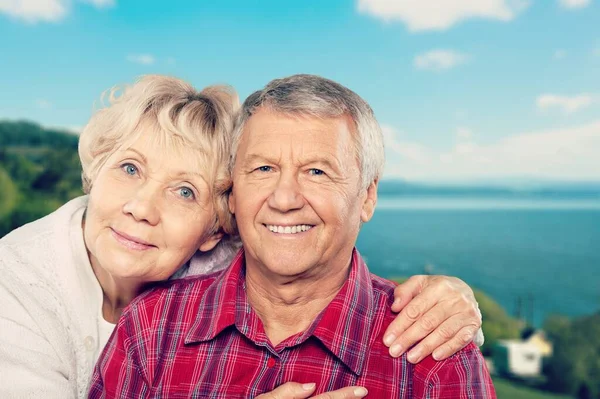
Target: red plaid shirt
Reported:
[(199, 337)]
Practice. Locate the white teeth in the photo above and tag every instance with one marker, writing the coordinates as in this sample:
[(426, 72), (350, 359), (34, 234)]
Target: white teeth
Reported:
[(289, 229)]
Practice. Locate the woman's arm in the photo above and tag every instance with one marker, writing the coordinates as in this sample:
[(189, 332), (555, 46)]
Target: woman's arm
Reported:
[(437, 313), (29, 365)]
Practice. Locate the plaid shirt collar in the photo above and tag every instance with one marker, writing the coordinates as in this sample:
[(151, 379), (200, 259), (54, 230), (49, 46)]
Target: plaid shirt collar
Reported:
[(344, 326)]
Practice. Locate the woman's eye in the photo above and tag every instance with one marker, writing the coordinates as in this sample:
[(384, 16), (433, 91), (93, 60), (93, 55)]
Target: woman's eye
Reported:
[(316, 172), (186, 192), (264, 168), (130, 169)]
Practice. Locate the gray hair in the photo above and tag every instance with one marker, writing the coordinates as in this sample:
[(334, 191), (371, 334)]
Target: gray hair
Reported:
[(323, 98)]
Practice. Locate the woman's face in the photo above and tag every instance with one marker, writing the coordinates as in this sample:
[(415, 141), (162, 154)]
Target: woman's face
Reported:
[(149, 211)]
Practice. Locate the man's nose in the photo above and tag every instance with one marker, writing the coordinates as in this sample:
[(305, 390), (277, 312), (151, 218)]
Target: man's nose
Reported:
[(143, 205), (286, 195)]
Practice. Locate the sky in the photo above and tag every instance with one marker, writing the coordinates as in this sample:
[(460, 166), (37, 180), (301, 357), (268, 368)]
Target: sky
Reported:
[(464, 90)]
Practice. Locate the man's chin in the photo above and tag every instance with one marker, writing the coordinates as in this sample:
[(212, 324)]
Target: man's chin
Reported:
[(288, 267)]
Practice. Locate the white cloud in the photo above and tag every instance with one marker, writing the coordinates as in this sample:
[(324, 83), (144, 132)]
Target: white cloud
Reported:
[(413, 152), (566, 154), (559, 54), (43, 104), (464, 133), (568, 105), (573, 4), (421, 15), (144, 59), (33, 11), (100, 3), (438, 60)]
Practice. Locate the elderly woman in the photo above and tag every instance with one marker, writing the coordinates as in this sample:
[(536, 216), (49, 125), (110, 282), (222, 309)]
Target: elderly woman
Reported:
[(155, 174)]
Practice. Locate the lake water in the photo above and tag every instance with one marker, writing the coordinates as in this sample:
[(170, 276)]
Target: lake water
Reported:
[(545, 251)]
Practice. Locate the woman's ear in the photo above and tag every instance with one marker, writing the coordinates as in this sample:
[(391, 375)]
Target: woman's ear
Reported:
[(211, 242)]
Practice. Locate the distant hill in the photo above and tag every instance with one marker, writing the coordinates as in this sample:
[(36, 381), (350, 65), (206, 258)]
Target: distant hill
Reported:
[(557, 190), (39, 171), (29, 134)]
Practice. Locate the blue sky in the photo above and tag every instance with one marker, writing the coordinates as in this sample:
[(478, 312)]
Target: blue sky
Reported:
[(464, 89)]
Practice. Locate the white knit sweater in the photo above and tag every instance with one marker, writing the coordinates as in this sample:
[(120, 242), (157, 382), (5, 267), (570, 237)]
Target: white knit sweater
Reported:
[(51, 325)]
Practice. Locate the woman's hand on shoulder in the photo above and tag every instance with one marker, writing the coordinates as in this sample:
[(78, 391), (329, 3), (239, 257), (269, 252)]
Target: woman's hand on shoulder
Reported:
[(437, 313)]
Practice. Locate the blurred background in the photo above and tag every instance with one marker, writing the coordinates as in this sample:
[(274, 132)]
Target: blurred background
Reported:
[(491, 116)]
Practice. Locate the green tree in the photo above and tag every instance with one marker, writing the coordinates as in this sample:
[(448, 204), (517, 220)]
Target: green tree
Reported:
[(8, 201), (8, 194), (574, 367), (24, 133), (497, 324), (39, 171), (22, 170)]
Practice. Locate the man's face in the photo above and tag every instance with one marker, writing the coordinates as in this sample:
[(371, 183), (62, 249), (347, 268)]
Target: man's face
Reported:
[(297, 194)]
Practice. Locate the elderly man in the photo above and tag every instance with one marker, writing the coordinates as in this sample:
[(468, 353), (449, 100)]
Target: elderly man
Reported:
[(298, 303)]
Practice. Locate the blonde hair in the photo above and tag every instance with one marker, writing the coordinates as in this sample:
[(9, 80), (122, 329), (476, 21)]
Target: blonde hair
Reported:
[(183, 117)]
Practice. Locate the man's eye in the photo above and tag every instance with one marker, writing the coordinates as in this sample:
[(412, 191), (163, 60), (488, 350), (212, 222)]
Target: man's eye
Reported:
[(130, 169), (264, 168), (316, 172), (186, 192)]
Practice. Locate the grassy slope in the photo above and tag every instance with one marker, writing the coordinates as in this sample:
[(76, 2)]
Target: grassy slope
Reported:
[(506, 389), (509, 390)]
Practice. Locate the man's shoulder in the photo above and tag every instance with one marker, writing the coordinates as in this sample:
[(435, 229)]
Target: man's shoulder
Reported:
[(465, 369), (383, 290), (469, 353)]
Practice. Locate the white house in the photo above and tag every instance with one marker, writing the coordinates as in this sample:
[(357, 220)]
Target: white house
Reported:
[(518, 358)]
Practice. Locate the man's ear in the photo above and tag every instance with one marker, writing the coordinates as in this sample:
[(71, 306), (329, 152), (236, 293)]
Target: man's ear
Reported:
[(211, 242), (368, 207)]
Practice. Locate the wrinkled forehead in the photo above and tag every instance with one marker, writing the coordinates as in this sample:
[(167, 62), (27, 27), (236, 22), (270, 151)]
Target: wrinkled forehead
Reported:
[(154, 142), (267, 128)]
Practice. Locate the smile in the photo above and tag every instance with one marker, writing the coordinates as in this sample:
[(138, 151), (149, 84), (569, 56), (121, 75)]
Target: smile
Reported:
[(131, 242), (289, 229)]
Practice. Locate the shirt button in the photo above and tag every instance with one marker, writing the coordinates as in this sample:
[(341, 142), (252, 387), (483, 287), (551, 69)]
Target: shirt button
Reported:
[(270, 362), (89, 343)]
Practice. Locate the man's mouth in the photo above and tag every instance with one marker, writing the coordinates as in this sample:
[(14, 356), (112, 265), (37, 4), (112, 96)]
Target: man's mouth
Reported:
[(289, 229)]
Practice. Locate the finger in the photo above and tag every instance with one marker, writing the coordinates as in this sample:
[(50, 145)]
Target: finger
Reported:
[(421, 328), (443, 334), (290, 390), (406, 291), (412, 312), (479, 339), (344, 393), (460, 340)]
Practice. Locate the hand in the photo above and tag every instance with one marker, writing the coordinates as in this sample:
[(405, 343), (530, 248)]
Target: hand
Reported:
[(439, 310), (294, 390)]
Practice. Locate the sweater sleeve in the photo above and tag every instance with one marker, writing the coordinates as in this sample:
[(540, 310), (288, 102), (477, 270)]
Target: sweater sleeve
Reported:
[(29, 365)]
